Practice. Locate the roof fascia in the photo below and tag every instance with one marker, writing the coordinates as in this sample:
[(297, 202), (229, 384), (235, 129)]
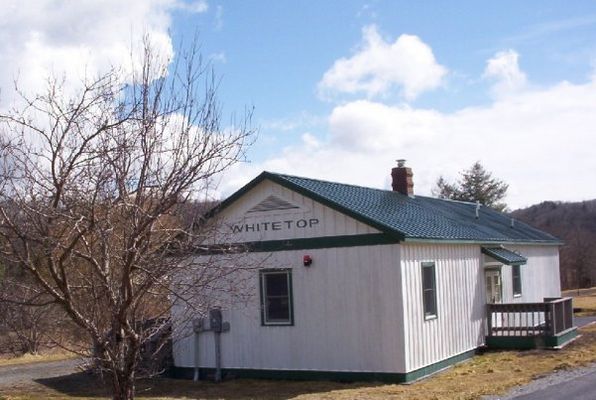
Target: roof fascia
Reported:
[(482, 242), (344, 210), (236, 195), (307, 193)]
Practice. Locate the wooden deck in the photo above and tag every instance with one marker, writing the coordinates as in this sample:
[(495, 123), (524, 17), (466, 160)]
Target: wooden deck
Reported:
[(530, 325)]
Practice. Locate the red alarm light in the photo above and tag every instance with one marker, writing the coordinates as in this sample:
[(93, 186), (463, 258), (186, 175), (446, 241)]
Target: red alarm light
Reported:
[(307, 260)]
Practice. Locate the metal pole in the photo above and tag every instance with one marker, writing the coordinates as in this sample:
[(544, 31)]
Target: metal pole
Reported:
[(196, 376), (217, 336)]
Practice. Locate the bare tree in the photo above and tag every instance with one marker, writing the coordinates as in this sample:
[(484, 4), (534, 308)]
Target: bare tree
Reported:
[(92, 190), (578, 254), (31, 319)]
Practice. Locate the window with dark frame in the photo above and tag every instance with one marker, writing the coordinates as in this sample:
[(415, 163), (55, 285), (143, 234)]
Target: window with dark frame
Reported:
[(516, 279), (276, 297), (429, 290)]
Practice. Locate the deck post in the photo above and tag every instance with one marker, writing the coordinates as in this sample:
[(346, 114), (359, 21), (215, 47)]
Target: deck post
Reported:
[(489, 319)]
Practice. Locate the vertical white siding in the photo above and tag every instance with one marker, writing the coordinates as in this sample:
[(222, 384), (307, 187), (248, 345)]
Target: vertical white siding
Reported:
[(459, 325), (348, 317), (540, 276)]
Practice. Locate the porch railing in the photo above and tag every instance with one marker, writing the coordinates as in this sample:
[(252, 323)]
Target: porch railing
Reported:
[(549, 318)]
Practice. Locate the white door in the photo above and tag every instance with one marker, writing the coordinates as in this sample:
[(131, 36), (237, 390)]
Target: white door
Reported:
[(493, 285)]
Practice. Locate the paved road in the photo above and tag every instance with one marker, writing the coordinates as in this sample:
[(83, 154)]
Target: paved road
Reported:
[(574, 384), (583, 321), (580, 388), (10, 375)]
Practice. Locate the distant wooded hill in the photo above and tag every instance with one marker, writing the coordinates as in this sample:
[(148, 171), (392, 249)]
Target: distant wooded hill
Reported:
[(575, 224)]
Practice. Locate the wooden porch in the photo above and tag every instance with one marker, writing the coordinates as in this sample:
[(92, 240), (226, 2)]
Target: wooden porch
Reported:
[(530, 325)]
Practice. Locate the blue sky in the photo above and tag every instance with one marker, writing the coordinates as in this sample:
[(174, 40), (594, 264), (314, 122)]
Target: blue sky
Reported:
[(342, 89)]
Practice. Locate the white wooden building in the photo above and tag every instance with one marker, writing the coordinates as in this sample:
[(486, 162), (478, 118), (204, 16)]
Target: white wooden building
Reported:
[(360, 283)]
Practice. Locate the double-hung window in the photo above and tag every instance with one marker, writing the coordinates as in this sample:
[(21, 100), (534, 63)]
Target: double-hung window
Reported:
[(516, 280), (276, 297), (429, 290)]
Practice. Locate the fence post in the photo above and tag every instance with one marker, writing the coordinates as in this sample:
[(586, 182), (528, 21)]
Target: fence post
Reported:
[(550, 319), (489, 320)]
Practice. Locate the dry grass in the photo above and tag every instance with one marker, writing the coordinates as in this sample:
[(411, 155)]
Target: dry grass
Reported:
[(36, 358), (579, 292), (490, 373), (587, 304)]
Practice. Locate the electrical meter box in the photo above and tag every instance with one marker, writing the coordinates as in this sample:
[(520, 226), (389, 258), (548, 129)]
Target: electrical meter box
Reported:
[(197, 325), (215, 320)]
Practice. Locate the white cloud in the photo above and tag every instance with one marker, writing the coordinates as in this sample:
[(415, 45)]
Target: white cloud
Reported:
[(540, 141), (199, 6), (219, 22), (379, 66), (78, 39), (504, 69), (218, 57)]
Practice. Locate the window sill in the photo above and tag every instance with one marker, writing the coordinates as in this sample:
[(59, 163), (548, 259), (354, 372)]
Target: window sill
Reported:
[(430, 317), (515, 296), (278, 324)]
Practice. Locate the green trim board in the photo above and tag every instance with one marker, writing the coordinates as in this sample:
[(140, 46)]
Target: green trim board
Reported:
[(531, 342), (314, 375), (321, 242), (512, 342), (561, 339), (438, 366)]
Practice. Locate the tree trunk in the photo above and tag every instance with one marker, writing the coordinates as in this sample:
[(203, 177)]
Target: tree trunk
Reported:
[(123, 385)]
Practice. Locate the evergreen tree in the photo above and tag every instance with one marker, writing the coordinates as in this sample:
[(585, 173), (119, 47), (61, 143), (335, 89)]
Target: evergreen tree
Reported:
[(475, 184)]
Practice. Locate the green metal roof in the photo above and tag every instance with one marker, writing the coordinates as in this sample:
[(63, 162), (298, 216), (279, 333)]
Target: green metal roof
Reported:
[(505, 256), (405, 217)]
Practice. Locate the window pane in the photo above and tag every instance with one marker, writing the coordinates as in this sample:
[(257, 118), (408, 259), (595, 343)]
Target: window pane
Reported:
[(429, 295), (516, 275), (430, 307), (278, 309), (276, 301), (276, 284), (428, 273)]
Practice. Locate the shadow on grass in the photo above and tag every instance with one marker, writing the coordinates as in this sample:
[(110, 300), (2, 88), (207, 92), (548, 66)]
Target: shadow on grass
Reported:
[(85, 385), (79, 384)]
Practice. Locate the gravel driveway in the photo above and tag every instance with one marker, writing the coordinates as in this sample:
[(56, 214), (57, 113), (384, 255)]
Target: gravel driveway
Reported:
[(13, 374)]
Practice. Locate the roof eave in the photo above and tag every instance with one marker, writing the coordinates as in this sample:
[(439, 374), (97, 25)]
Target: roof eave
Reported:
[(399, 236), (236, 195), (481, 242)]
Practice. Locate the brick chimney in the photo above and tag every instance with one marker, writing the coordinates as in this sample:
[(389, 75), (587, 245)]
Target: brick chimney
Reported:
[(402, 179)]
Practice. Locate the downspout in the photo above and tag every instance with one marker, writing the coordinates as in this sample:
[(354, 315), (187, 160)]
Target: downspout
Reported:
[(197, 325)]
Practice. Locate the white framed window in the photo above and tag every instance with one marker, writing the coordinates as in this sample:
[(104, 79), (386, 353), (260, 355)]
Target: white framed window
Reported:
[(276, 297), (429, 290)]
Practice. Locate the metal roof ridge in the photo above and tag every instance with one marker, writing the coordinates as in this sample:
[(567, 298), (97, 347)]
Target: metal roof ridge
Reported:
[(451, 200), (333, 182)]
